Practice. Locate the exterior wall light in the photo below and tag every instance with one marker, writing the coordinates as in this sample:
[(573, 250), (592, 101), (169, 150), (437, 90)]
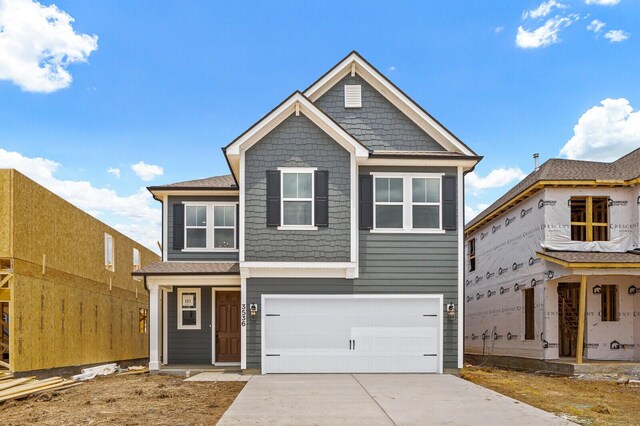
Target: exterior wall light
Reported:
[(451, 311), (253, 311), (597, 289), (633, 289)]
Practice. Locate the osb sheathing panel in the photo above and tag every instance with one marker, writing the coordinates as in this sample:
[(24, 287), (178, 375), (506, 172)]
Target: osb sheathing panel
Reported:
[(5, 213), (70, 315)]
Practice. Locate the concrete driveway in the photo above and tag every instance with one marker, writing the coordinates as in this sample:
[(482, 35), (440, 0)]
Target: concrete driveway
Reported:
[(377, 399)]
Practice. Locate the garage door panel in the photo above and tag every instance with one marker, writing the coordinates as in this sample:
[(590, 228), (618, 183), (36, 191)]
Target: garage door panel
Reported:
[(344, 334)]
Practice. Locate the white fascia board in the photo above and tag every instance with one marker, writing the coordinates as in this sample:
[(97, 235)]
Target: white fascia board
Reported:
[(466, 164), (346, 270), (312, 112), (192, 280), (393, 95)]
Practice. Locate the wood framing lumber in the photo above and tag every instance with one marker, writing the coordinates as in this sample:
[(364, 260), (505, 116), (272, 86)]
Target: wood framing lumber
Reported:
[(132, 372), (15, 382), (27, 392), (31, 386), (582, 307)]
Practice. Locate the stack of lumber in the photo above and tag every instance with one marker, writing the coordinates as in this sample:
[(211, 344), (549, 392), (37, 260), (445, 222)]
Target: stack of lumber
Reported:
[(11, 388)]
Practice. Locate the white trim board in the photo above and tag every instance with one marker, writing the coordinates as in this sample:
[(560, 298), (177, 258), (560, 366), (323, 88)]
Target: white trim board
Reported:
[(347, 270), (427, 123)]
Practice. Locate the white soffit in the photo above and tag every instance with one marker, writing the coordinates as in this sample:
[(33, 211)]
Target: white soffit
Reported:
[(392, 94)]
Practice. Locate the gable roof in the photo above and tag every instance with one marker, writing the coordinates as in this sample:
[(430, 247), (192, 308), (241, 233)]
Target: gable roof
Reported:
[(354, 63), (215, 182), (619, 172)]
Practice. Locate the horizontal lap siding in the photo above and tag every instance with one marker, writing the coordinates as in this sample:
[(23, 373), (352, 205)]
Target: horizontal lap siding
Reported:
[(189, 346), (173, 254)]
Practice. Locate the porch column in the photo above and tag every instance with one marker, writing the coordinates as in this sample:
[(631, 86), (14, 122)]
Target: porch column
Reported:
[(154, 327), (581, 315)]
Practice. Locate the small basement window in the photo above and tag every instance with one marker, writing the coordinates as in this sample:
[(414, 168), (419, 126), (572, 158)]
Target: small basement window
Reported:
[(189, 309), (142, 320), (609, 303), (353, 96), (589, 218), (471, 254), (109, 262), (529, 313)]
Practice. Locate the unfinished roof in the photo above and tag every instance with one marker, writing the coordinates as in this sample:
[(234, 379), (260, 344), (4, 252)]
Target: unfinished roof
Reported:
[(214, 182), (189, 268), (623, 169), (574, 259)]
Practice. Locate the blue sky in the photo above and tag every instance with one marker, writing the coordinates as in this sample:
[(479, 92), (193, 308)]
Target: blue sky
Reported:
[(169, 83)]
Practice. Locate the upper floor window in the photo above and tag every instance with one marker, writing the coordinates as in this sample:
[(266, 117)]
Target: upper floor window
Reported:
[(408, 202), (210, 226), (471, 254), (109, 260), (589, 218), (297, 197)]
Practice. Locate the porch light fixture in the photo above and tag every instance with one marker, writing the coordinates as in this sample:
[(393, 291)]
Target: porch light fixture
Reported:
[(253, 311), (633, 289), (597, 290), (451, 311)]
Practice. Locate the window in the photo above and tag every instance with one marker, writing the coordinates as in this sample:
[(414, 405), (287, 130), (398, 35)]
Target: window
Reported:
[(142, 320), (589, 218), (210, 226), (426, 202), (136, 259), (609, 303), (196, 227), (109, 262), (529, 327), (471, 253), (408, 202), (297, 197), (189, 309)]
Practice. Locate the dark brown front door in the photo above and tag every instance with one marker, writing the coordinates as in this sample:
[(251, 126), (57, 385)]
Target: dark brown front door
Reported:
[(568, 298), (227, 326)]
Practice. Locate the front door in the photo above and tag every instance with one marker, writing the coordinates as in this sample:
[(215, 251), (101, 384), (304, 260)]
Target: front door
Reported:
[(568, 299), (227, 326)]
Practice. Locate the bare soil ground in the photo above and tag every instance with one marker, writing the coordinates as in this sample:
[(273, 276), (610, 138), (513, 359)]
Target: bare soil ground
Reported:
[(126, 400), (588, 402)]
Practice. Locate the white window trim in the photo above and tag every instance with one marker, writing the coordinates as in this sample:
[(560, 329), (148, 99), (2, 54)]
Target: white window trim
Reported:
[(210, 227), (310, 170), (198, 308), (407, 203), (109, 266)]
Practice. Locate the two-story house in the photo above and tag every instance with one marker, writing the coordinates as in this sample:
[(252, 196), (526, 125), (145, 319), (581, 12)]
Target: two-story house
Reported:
[(335, 245), (553, 266)]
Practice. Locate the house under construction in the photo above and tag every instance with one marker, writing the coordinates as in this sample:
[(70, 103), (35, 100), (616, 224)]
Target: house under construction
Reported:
[(67, 296)]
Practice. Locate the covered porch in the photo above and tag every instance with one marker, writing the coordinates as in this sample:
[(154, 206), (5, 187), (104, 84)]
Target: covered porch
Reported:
[(196, 316)]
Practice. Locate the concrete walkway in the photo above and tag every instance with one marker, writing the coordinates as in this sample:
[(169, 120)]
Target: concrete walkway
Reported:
[(377, 399)]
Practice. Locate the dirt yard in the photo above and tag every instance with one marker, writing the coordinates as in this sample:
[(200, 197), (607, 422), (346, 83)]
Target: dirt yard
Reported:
[(126, 400), (585, 402)]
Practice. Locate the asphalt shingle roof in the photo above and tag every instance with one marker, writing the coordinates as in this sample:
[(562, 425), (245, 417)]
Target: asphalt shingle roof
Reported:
[(214, 182), (190, 268), (593, 257)]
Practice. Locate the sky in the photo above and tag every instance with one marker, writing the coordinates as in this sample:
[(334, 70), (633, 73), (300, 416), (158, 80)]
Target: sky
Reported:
[(100, 99)]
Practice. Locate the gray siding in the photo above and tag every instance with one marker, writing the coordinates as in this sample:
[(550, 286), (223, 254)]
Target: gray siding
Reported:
[(297, 142), (194, 256), (378, 124), (189, 346)]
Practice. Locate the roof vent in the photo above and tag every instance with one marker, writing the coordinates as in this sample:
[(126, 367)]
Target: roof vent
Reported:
[(352, 96)]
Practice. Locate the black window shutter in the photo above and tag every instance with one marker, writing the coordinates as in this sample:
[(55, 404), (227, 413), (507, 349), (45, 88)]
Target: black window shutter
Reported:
[(178, 226), (366, 202), (449, 203), (321, 197), (273, 198)]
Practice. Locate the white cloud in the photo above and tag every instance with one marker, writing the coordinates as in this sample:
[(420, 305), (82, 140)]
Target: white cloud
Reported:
[(471, 212), (498, 30), (605, 132), (596, 26), (37, 44), (114, 171), (392, 68), (495, 179), (543, 10), (616, 36), (544, 35), (147, 172), (603, 2), (138, 208)]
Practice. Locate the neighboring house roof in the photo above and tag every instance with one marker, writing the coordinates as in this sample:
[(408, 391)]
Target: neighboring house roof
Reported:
[(573, 259), (355, 63), (215, 182), (558, 171), (189, 268)]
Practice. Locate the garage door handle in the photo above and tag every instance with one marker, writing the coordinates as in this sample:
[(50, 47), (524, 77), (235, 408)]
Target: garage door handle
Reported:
[(349, 344), (354, 344)]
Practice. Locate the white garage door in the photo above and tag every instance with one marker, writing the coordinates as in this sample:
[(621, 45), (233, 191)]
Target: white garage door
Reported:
[(351, 334)]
